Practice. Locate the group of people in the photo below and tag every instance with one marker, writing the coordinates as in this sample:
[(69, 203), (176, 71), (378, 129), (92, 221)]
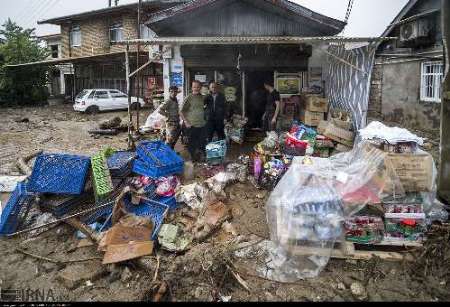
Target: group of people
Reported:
[(204, 116)]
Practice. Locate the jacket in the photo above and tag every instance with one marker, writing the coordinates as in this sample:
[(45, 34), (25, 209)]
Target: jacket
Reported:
[(220, 112)]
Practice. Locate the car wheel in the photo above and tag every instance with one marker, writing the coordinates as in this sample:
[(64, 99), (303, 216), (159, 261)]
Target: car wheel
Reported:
[(135, 105), (92, 110)]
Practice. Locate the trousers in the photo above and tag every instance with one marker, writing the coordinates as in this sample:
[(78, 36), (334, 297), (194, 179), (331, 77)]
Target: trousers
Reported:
[(197, 142), (214, 126)]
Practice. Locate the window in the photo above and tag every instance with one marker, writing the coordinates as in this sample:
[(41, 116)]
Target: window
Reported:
[(54, 51), (117, 94), (82, 94), (432, 75), (116, 32), (75, 36), (101, 95)]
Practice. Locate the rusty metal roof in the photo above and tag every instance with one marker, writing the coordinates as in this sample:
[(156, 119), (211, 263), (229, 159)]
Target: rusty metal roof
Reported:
[(283, 4), (110, 10)]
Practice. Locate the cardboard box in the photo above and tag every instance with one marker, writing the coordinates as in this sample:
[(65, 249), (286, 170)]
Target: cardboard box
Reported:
[(314, 103), (311, 119), (415, 172), (339, 135)]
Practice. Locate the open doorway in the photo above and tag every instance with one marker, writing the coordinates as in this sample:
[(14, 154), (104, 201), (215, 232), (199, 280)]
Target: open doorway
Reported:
[(256, 96)]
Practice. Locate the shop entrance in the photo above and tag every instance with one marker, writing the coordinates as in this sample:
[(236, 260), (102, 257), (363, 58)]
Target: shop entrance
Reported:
[(256, 96)]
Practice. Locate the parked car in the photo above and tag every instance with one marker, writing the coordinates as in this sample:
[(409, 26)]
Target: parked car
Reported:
[(95, 100)]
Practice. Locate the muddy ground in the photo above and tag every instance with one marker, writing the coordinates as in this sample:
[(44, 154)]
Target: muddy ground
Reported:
[(201, 273)]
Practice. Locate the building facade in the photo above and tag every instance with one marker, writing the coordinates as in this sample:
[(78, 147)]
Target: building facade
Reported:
[(408, 72), (86, 46)]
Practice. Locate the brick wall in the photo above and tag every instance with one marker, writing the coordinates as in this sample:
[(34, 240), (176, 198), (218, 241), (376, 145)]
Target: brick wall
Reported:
[(95, 36), (376, 90)]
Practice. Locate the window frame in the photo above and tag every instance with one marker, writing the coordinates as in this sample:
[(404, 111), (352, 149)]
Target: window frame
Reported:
[(73, 30), (436, 77), (107, 94), (116, 26)]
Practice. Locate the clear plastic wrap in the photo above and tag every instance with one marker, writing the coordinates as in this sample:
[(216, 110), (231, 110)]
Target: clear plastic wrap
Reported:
[(308, 207)]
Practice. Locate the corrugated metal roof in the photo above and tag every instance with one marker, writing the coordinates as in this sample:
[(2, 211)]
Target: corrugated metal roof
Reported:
[(249, 40), (109, 10)]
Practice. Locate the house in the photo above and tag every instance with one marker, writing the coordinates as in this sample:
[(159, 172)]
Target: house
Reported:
[(239, 44), (406, 82), (85, 48), (56, 77)]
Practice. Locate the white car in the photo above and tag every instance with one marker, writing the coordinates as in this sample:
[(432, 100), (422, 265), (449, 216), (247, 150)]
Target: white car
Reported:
[(95, 100)]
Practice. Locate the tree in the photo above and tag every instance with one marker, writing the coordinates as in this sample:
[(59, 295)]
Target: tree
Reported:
[(21, 85)]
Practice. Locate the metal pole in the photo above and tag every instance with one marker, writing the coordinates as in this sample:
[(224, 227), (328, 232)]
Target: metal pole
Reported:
[(138, 76), (130, 116), (244, 94)]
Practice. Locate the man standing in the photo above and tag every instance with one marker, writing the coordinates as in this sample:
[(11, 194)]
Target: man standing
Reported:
[(193, 115), (273, 106), (215, 112), (170, 109)]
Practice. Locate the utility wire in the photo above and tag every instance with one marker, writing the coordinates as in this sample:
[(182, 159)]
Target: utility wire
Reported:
[(349, 10), (28, 11), (31, 18)]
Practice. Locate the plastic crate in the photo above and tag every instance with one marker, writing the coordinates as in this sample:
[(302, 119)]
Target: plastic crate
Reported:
[(101, 177), (171, 201), (215, 161), (59, 174), (157, 160), (104, 212), (60, 205), (121, 163), (16, 208), (149, 208), (216, 149)]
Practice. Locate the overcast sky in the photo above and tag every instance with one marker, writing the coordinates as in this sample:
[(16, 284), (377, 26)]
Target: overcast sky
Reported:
[(369, 17)]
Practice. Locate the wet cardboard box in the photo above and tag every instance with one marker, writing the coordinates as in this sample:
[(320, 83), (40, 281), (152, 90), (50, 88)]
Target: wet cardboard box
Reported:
[(415, 171), (311, 119), (315, 103)]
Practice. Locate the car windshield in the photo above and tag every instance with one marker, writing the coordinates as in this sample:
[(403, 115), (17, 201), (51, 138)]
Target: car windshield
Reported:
[(82, 94)]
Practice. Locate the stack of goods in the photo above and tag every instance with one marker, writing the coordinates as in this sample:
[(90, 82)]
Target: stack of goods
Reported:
[(364, 229), (313, 109), (300, 140), (272, 173), (409, 177), (339, 129), (216, 152), (323, 147), (235, 130), (269, 146)]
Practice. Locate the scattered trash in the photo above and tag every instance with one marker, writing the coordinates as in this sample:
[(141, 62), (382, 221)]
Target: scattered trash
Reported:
[(8, 183), (171, 239)]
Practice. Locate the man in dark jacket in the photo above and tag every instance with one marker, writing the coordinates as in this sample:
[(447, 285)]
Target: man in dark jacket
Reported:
[(216, 112)]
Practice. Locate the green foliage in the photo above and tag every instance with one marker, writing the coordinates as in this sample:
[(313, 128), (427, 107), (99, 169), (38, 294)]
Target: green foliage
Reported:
[(21, 85)]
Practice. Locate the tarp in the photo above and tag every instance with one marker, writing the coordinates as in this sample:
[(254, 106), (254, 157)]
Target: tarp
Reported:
[(349, 77)]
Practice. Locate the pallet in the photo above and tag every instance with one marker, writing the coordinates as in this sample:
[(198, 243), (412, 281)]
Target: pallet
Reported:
[(393, 251)]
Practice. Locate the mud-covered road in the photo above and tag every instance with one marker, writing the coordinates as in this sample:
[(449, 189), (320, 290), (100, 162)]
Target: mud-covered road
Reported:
[(60, 130)]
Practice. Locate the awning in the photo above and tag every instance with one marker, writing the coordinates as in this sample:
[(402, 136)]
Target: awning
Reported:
[(244, 40), (93, 59)]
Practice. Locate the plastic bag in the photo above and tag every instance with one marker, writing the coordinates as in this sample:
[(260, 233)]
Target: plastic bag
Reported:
[(155, 121), (166, 186)]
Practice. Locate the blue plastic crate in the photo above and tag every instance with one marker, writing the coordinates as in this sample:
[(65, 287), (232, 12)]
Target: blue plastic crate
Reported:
[(120, 163), (19, 202), (219, 152), (149, 208), (104, 212), (59, 174), (157, 160), (171, 201)]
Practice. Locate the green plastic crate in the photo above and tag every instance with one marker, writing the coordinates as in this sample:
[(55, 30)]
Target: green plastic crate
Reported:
[(101, 176)]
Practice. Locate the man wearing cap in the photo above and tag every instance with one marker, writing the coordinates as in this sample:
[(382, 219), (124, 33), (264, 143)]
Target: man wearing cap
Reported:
[(170, 109)]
